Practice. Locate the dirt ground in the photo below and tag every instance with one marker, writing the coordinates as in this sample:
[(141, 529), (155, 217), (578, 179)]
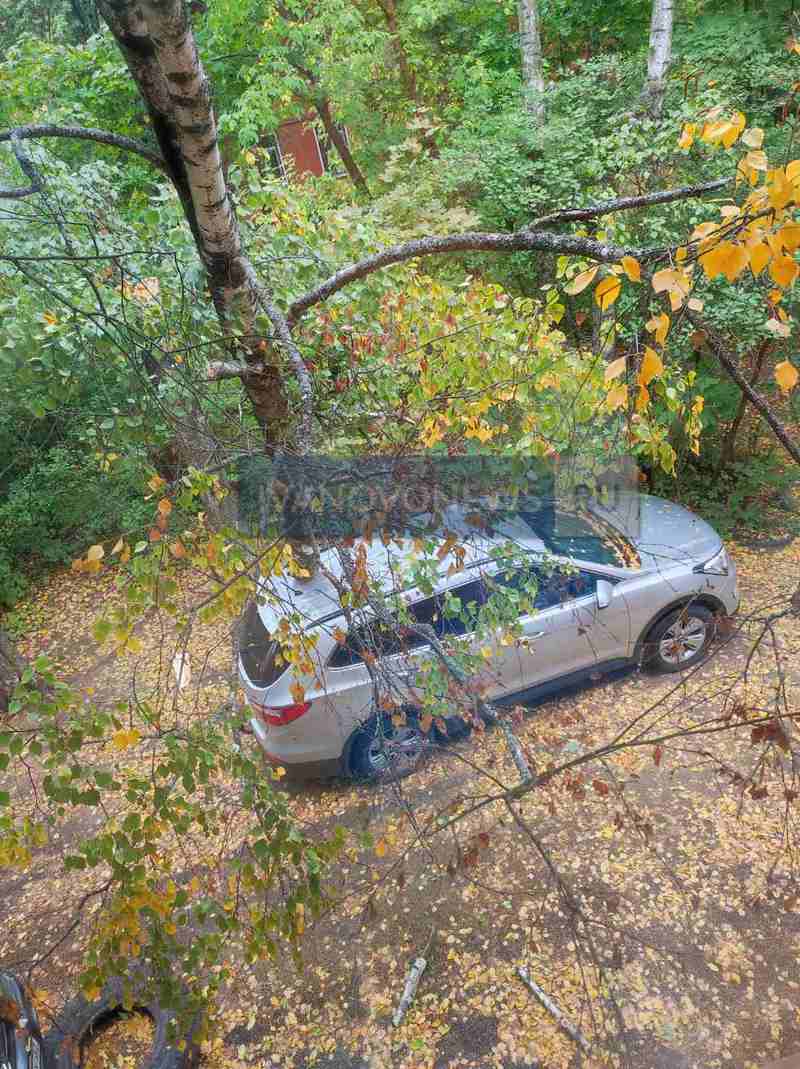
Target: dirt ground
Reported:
[(671, 936)]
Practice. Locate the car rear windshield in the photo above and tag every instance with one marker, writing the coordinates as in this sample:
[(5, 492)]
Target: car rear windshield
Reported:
[(258, 650)]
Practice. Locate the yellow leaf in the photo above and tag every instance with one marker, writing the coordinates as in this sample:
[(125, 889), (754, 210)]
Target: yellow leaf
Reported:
[(760, 254), (617, 398), (581, 281), (790, 237), (123, 739), (725, 259), (632, 268), (659, 325), (780, 191), (49, 319), (783, 271), (177, 549), (95, 553), (687, 136), (792, 170), (703, 230), (615, 368), (380, 848), (786, 376), (118, 546), (754, 137), (165, 506), (642, 399), (607, 291), (662, 280), (125, 555), (736, 262), (651, 366), (757, 160), (780, 330)]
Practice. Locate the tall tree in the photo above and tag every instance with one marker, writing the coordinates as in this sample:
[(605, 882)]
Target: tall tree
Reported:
[(659, 55), (530, 43), (407, 75)]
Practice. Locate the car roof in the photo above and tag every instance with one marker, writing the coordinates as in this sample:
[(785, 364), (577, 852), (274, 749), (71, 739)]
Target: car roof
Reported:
[(477, 535)]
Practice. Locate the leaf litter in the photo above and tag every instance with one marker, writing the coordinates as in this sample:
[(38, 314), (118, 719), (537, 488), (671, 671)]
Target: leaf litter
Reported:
[(688, 930)]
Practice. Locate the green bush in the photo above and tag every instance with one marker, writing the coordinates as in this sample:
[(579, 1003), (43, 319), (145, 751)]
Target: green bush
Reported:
[(59, 506)]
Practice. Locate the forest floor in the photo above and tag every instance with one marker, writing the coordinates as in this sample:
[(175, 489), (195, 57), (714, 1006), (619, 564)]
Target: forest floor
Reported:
[(690, 886)]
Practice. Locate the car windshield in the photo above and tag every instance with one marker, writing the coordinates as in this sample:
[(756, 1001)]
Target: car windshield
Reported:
[(582, 535)]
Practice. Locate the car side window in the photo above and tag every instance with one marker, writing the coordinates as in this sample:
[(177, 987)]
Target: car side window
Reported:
[(453, 612), (449, 613), (552, 588), (375, 638)]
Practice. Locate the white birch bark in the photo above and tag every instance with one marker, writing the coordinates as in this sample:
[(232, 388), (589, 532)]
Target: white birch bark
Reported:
[(530, 44), (659, 56)]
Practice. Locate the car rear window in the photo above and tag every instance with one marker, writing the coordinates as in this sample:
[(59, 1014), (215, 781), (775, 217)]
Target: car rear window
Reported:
[(258, 650)]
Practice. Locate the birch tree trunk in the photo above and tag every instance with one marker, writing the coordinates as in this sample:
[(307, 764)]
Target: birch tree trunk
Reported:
[(156, 40), (659, 56), (530, 43)]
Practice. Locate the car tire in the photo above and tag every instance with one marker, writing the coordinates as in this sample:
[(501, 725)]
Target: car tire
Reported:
[(67, 1040), (456, 729), (382, 751), (680, 640)]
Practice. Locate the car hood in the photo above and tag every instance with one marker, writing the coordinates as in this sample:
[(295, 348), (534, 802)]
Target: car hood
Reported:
[(662, 531)]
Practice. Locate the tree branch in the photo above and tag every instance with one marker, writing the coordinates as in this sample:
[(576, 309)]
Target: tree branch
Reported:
[(720, 351), (227, 369), (283, 334), (621, 204), (87, 133), (27, 167), (473, 241)]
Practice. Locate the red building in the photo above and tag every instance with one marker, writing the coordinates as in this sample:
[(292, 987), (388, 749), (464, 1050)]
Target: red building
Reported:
[(298, 141)]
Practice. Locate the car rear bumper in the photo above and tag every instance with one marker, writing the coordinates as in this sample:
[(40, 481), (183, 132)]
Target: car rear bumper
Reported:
[(297, 766)]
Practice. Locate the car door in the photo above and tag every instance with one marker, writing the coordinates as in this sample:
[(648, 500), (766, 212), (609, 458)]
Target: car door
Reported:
[(566, 631)]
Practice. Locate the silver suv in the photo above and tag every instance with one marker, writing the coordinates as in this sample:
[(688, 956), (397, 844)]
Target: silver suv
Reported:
[(595, 592)]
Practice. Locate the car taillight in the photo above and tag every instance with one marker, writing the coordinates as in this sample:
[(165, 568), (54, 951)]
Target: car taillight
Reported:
[(285, 714)]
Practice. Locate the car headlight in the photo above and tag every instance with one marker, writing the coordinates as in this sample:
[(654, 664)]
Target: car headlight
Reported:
[(718, 565)]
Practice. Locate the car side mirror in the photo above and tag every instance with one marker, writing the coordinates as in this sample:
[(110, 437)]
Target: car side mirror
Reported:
[(605, 592)]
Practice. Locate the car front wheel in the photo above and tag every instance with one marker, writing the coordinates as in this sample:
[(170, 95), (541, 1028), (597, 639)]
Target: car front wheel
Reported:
[(680, 640)]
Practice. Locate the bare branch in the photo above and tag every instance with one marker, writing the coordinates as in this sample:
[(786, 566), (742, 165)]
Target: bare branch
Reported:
[(472, 241), (621, 204), (720, 351), (88, 133)]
